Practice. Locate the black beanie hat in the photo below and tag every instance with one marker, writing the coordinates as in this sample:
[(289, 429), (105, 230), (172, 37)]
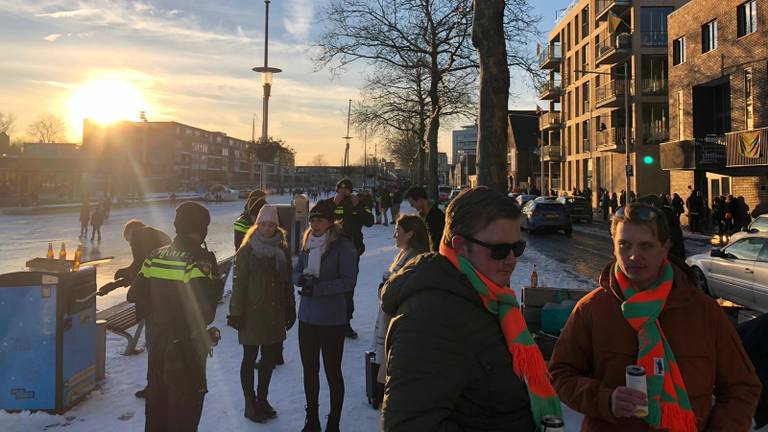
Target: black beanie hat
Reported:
[(255, 206), (323, 209), (191, 217), (345, 182)]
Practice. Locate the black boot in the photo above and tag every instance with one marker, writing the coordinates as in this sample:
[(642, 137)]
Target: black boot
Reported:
[(332, 424), (251, 411), (265, 377), (312, 422)]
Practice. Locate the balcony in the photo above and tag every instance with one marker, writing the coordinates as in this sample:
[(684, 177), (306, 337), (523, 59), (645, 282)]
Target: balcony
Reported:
[(611, 140), (551, 153), (655, 133), (617, 6), (656, 38), (611, 94), (551, 90), (654, 87), (550, 120), (611, 50), (550, 57)]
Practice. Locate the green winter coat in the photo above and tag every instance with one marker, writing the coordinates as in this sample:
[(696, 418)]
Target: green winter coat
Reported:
[(263, 300)]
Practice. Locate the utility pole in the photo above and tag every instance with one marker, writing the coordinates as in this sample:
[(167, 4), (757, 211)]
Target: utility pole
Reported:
[(365, 159), (347, 137), (627, 119)]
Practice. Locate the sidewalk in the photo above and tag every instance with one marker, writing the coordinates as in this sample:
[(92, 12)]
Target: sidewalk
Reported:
[(151, 199)]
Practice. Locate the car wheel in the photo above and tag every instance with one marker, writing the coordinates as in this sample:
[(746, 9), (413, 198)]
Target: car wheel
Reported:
[(568, 231), (702, 281)]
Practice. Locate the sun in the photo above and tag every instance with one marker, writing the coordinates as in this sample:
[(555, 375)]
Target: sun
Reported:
[(106, 101)]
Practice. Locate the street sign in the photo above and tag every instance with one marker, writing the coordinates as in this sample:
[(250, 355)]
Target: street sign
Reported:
[(629, 171)]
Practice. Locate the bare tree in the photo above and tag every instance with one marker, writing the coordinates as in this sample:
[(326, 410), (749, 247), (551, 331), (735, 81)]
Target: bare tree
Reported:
[(408, 34), (7, 123), (318, 160), (48, 128)]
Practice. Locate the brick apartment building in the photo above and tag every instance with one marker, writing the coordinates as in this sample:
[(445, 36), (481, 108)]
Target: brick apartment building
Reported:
[(583, 128), (718, 98), (162, 156)]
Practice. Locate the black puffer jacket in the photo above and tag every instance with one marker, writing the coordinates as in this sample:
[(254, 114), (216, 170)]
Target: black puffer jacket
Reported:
[(449, 368)]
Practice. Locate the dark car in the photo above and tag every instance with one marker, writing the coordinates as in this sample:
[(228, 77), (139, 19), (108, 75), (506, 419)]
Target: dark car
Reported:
[(578, 207), (545, 213)]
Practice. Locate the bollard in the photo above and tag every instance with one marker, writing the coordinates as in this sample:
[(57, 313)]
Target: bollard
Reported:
[(101, 349)]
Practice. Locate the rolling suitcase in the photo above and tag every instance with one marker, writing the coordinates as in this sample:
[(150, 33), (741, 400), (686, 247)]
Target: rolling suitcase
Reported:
[(373, 389)]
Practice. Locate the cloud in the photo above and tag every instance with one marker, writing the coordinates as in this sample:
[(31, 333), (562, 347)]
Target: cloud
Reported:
[(56, 36), (52, 37), (298, 18)]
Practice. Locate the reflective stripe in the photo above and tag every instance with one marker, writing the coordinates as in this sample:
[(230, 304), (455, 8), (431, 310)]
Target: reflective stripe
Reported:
[(339, 211), (166, 274), (170, 263), (368, 210), (240, 227)]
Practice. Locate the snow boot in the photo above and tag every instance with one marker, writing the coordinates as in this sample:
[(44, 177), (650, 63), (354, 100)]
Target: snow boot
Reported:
[(251, 412), (332, 424), (312, 422)]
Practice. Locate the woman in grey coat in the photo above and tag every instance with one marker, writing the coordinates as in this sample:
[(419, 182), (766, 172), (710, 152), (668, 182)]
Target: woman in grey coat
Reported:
[(262, 307)]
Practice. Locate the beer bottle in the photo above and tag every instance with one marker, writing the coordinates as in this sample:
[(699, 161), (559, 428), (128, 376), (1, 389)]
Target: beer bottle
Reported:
[(78, 257), (49, 255), (63, 252), (534, 278)]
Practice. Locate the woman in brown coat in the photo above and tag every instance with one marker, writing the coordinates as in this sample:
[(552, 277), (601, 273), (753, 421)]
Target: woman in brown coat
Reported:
[(262, 307)]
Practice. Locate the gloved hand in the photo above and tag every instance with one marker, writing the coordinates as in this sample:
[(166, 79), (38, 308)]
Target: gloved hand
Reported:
[(307, 284), (290, 319), (235, 321)]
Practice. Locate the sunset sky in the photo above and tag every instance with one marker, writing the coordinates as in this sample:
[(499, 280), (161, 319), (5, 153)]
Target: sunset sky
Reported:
[(187, 61)]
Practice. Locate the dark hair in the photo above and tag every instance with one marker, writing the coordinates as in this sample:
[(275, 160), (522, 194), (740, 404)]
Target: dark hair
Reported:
[(415, 192), (474, 209), (634, 215), (131, 225), (419, 243)]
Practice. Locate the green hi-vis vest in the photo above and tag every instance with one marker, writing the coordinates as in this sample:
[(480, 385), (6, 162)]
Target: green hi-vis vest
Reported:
[(242, 224), (174, 265)]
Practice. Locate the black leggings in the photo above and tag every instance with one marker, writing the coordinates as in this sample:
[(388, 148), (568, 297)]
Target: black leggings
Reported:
[(269, 355), (328, 340)]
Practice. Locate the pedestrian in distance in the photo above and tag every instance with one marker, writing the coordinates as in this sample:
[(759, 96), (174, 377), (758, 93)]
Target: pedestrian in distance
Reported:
[(85, 217), (605, 205), (648, 311), (106, 204), (325, 272), (411, 239), (614, 203), (622, 198), (97, 220), (262, 307), (143, 240), (397, 200), (353, 214), (386, 205), (183, 284), (430, 212), (482, 371)]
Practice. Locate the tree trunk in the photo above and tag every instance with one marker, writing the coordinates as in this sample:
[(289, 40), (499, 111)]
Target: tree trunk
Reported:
[(492, 133)]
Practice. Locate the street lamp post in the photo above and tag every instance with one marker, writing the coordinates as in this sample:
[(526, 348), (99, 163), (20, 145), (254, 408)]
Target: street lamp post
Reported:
[(266, 81)]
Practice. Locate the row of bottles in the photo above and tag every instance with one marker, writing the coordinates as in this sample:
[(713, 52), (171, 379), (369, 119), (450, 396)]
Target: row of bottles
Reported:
[(63, 254)]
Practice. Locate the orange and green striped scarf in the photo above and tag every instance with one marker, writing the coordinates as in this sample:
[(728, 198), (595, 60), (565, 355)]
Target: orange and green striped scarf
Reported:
[(527, 361), (668, 404)]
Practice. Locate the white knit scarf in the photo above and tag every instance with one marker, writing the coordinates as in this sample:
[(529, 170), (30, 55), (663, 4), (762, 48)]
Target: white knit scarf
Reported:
[(316, 246)]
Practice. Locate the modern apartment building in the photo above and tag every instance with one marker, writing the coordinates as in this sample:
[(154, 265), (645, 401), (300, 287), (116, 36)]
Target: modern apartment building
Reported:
[(585, 125), (718, 99), (463, 140)]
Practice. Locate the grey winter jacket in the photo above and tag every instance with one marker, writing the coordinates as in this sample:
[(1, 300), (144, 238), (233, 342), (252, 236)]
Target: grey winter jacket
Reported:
[(338, 275)]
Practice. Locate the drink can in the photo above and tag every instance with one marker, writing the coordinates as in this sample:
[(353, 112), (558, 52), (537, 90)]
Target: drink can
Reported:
[(635, 378), (552, 424)]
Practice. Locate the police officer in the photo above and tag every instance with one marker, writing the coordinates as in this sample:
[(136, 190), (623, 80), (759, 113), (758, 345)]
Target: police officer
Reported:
[(183, 285), (256, 200), (353, 214)]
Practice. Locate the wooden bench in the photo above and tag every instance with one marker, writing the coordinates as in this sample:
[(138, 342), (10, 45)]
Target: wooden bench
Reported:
[(533, 300), (122, 317)]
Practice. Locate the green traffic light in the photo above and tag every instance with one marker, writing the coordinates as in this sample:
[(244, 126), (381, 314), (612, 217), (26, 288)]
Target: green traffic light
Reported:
[(648, 160)]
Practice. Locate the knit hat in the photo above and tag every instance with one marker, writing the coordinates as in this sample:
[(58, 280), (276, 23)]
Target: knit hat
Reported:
[(191, 217), (323, 209), (255, 206), (268, 213), (344, 183)]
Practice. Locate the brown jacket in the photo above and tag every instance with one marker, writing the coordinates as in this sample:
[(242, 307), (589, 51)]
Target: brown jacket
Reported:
[(597, 344)]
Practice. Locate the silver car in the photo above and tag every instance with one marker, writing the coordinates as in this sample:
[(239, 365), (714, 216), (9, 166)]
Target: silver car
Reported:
[(738, 272)]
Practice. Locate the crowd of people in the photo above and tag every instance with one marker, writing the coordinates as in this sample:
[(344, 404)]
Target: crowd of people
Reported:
[(454, 350)]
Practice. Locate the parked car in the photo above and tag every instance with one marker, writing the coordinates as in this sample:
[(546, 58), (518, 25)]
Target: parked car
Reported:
[(543, 213), (579, 208), (222, 192), (522, 199), (443, 193), (738, 272), (758, 225)]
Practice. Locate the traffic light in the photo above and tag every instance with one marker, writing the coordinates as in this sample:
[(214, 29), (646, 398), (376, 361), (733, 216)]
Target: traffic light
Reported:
[(648, 160)]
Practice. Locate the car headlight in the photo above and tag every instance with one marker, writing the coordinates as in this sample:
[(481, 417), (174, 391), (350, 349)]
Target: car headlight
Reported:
[(718, 239)]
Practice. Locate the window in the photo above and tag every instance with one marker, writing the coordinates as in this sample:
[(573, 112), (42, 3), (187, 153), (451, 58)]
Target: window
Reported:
[(655, 122), (653, 73), (678, 51), (585, 22), (709, 36), (746, 14), (746, 249), (653, 25)]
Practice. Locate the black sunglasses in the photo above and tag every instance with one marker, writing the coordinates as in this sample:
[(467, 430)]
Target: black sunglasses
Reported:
[(645, 213), (500, 251)]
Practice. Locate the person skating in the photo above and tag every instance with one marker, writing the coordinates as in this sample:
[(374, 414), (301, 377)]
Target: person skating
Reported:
[(353, 215), (431, 213), (459, 351), (183, 284), (411, 239), (698, 376), (262, 307), (143, 240), (326, 270)]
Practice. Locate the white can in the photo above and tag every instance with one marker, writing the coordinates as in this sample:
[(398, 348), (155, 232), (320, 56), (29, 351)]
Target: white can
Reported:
[(636, 380)]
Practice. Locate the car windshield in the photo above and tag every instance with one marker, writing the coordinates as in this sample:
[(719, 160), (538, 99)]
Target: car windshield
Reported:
[(549, 207), (760, 224)]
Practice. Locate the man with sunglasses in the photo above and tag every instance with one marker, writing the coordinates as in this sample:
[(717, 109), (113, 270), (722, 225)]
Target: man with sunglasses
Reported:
[(648, 311), (456, 324)]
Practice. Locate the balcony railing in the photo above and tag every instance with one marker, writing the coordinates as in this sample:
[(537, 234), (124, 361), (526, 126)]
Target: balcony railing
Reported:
[(603, 6), (654, 86), (612, 91), (551, 153), (612, 48), (657, 38), (550, 56), (654, 134), (551, 89), (550, 120), (612, 139)]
